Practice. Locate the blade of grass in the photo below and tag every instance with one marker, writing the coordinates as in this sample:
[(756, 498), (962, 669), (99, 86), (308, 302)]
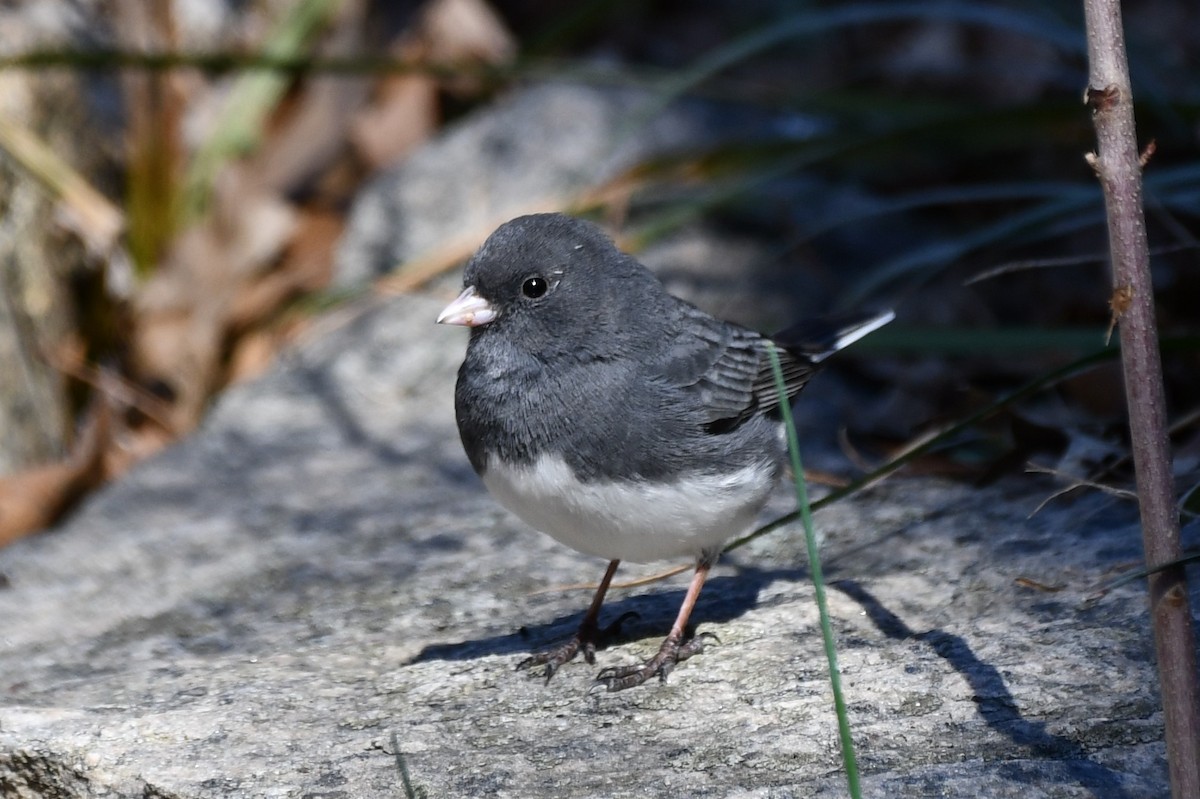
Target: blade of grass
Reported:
[(1070, 209), (921, 264), (814, 567), (1066, 207), (1189, 503), (959, 195), (1029, 389), (1038, 384), (89, 213), (1188, 558)]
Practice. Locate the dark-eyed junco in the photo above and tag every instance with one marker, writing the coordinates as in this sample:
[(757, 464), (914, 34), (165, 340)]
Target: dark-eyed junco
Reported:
[(617, 418)]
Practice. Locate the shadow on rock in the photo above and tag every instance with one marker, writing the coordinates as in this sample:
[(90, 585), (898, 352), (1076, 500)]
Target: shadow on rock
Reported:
[(724, 598), (997, 706)]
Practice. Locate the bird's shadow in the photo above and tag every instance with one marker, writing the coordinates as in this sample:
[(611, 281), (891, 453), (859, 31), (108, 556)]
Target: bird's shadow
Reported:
[(724, 598), (997, 707), (728, 597)]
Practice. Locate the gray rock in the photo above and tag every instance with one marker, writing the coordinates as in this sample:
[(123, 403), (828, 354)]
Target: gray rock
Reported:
[(315, 589), (534, 149)]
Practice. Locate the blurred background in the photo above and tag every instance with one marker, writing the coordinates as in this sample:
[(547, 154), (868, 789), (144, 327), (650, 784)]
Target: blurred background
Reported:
[(188, 187)]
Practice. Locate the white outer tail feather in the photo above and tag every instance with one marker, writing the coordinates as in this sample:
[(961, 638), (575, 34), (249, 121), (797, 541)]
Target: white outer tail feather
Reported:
[(853, 334)]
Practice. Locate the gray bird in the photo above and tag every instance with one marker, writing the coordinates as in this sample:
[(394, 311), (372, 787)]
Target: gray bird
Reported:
[(617, 418)]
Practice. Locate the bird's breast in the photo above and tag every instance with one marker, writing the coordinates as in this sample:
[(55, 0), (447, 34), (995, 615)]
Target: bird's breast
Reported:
[(634, 520)]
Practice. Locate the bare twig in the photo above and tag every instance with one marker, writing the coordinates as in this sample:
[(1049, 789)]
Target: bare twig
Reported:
[(1118, 167), (1074, 483), (1067, 260)]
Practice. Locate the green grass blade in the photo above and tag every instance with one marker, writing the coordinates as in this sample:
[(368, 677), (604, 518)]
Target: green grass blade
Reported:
[(1029, 389), (923, 263), (814, 567)]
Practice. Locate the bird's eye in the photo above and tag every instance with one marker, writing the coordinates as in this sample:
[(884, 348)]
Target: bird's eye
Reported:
[(534, 287)]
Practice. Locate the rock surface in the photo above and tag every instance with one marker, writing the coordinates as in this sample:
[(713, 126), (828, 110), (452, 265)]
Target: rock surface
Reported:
[(314, 597), (316, 589)]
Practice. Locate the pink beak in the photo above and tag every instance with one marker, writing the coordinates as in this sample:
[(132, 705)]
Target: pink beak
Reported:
[(469, 310)]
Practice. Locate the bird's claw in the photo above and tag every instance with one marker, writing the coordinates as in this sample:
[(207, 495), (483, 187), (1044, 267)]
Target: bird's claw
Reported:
[(585, 640), (672, 652)]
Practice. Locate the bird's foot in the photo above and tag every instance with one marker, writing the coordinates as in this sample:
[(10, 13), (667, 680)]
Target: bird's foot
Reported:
[(586, 639), (673, 650)]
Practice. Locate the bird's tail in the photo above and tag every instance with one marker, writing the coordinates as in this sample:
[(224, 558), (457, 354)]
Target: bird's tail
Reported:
[(819, 338)]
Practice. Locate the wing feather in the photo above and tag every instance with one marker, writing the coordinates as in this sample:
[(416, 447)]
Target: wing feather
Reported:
[(727, 367)]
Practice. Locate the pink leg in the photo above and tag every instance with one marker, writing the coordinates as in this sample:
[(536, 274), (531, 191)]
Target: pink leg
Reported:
[(586, 637), (672, 650)]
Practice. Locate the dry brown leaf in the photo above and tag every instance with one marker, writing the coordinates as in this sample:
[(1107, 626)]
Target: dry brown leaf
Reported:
[(254, 354), (404, 114), (35, 498), (310, 133), (1027, 582), (305, 267), (466, 31), (224, 276), (233, 270), (132, 445), (184, 312), (309, 254)]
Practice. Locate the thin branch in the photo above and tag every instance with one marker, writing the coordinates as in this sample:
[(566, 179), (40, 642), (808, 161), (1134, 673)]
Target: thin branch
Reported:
[(1118, 166), (1067, 260)]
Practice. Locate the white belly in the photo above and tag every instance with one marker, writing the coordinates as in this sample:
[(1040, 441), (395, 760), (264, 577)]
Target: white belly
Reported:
[(634, 521)]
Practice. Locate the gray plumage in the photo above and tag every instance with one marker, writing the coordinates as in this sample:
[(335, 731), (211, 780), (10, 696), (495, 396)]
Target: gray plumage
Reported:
[(621, 420), (624, 380)]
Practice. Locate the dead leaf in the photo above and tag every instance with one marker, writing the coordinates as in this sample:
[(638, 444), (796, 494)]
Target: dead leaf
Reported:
[(466, 31), (456, 35), (403, 115), (305, 266), (309, 132), (253, 355), (35, 498), (184, 312)]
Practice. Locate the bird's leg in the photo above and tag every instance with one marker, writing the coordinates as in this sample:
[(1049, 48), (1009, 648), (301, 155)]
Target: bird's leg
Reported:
[(585, 638), (673, 649)]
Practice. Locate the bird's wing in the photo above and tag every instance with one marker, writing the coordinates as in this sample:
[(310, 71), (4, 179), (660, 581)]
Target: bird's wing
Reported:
[(727, 368)]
